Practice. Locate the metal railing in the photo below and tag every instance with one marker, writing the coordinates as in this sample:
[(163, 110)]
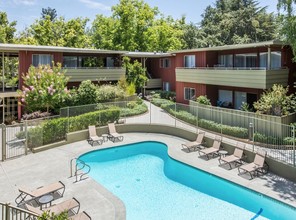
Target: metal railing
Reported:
[(9, 212), (80, 165)]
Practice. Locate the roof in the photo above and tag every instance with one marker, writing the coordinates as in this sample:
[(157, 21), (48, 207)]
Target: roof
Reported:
[(234, 46), (148, 54), (21, 47)]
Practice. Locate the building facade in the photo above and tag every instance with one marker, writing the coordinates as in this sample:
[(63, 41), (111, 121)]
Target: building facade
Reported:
[(227, 75)]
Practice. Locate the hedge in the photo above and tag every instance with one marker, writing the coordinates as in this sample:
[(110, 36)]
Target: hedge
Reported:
[(133, 109), (56, 129)]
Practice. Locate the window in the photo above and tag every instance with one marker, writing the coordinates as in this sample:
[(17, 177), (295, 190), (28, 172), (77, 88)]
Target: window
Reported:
[(225, 98), (165, 63), (275, 60), (189, 93), (226, 60), (42, 59), (189, 61), (70, 61), (245, 60), (166, 86)]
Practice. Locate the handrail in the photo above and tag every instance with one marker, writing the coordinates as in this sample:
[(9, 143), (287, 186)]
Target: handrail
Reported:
[(77, 168), (9, 212)]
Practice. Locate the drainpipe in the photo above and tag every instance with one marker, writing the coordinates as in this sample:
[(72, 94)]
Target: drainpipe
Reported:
[(3, 84)]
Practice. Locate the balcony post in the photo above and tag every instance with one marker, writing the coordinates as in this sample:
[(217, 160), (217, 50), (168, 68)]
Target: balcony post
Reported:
[(3, 84), (269, 58)]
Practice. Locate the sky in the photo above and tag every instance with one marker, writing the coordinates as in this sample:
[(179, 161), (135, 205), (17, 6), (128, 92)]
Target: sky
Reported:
[(25, 12)]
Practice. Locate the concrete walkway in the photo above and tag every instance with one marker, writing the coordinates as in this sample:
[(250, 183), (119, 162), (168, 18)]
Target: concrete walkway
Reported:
[(52, 165)]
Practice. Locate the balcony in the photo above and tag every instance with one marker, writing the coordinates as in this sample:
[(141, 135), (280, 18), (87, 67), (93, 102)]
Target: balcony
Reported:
[(256, 78), (153, 84), (95, 74)]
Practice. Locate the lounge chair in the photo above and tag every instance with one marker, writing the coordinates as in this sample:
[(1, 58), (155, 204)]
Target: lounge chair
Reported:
[(70, 205), (93, 137), (211, 150), (57, 187), (258, 166), (113, 135), (80, 216), (194, 144), (236, 157)]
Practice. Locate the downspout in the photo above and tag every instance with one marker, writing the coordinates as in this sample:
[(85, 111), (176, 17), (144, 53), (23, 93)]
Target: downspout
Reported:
[(3, 84), (269, 59)]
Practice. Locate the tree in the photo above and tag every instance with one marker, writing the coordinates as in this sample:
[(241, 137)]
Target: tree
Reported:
[(276, 102), (288, 23), (237, 21), (135, 73), (51, 12), (193, 36), (7, 29), (87, 93), (57, 32), (44, 88)]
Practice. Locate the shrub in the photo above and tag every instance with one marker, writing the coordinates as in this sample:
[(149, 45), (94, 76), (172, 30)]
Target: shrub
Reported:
[(86, 93), (35, 115), (203, 100), (166, 94), (136, 110), (55, 129), (109, 93)]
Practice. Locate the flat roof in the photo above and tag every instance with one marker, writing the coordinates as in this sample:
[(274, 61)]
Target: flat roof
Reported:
[(22, 47), (234, 46), (148, 54)]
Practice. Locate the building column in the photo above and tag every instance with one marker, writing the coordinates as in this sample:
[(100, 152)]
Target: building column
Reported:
[(269, 59), (3, 83)]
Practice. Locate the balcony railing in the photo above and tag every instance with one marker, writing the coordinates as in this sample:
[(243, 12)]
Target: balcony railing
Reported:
[(257, 78), (94, 73)]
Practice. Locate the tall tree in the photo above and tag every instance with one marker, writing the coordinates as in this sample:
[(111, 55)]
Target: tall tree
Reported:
[(288, 22), (237, 21), (51, 12), (7, 29), (59, 32)]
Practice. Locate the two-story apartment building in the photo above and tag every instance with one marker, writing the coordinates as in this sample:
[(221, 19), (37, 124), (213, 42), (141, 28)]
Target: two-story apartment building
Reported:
[(228, 75)]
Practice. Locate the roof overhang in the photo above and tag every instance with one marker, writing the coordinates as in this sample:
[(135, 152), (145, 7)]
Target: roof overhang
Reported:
[(20, 47), (234, 46), (148, 54)]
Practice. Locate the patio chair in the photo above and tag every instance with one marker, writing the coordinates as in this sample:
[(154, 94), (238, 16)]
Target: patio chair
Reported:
[(57, 187), (113, 135), (236, 157), (72, 206), (258, 166), (80, 216), (93, 137), (194, 144), (211, 150)]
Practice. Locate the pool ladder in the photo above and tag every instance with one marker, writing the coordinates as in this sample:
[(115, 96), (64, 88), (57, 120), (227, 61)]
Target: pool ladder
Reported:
[(80, 165)]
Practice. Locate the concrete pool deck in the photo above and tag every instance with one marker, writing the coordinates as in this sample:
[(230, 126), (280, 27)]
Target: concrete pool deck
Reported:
[(49, 166)]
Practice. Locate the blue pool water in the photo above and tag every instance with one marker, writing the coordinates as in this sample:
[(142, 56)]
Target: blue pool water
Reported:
[(154, 186)]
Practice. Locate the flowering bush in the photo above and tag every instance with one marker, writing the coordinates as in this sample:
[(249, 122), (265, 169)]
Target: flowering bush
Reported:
[(44, 88)]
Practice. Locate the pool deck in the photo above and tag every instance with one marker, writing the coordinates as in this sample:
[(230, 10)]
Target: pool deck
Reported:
[(49, 166)]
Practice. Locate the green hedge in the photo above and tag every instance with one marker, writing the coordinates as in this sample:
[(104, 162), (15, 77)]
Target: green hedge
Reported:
[(133, 109), (56, 129)]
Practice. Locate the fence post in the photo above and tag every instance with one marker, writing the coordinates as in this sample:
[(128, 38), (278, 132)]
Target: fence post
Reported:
[(197, 117), (150, 111), (26, 134), (7, 213), (68, 113), (3, 142), (221, 121), (294, 146), (175, 115)]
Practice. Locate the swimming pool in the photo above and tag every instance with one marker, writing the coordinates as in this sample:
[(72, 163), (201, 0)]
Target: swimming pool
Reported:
[(154, 186)]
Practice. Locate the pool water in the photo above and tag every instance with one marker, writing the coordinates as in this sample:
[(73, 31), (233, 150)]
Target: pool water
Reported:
[(154, 186)]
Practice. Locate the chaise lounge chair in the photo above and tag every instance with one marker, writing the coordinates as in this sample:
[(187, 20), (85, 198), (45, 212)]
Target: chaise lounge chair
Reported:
[(236, 157), (211, 150), (70, 205), (113, 135), (93, 137), (258, 166), (81, 216), (57, 187), (194, 144)]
